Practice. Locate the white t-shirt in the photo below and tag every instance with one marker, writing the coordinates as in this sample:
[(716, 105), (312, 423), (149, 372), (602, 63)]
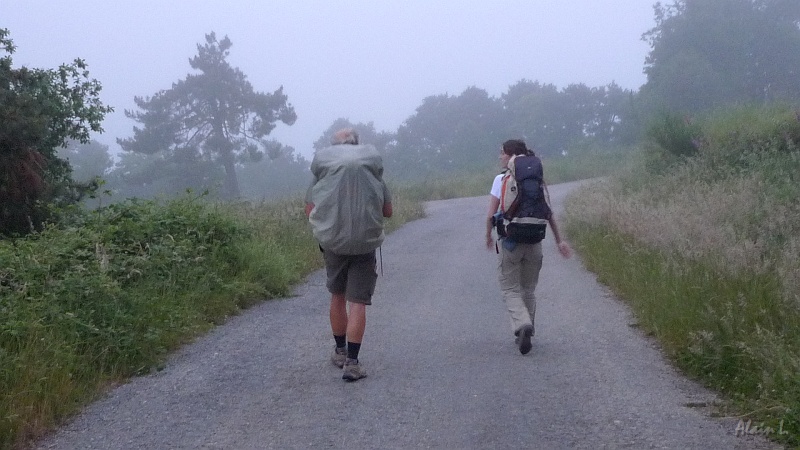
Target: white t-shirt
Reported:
[(497, 186)]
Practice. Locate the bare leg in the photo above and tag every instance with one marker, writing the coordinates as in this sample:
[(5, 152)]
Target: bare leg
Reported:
[(338, 315), (357, 322)]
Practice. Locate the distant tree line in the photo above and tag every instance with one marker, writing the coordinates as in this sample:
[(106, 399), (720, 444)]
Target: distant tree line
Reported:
[(707, 54), (210, 131)]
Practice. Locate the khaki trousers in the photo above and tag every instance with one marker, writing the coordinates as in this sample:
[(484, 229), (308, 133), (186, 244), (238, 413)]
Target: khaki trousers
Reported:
[(518, 275)]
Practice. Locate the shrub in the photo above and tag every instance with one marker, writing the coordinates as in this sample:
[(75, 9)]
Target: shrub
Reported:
[(676, 135)]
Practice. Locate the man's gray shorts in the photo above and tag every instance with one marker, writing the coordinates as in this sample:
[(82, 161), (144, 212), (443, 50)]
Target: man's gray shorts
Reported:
[(351, 275)]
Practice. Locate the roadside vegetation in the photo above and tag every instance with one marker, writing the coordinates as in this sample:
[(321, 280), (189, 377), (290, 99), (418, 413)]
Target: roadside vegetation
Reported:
[(702, 237)]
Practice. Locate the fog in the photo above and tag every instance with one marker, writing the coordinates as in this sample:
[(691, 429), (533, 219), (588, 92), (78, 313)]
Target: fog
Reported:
[(360, 60)]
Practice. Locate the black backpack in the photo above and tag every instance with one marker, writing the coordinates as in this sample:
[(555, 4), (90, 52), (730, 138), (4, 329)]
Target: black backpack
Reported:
[(524, 208)]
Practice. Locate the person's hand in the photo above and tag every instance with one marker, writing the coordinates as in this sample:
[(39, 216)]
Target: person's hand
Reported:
[(564, 249), (489, 241)]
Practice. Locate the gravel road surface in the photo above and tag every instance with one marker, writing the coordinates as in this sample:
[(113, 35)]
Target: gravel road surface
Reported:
[(442, 365)]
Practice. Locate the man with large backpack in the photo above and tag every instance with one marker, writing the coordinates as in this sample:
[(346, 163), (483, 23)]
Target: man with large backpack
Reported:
[(520, 213), (346, 204)]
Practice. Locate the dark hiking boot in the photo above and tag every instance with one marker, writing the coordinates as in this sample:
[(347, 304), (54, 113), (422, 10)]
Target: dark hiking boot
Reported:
[(524, 339)]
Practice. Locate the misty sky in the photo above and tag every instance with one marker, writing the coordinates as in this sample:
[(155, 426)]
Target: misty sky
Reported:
[(361, 60)]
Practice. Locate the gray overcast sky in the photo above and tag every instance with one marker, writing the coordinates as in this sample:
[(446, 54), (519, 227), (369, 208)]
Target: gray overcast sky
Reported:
[(362, 60)]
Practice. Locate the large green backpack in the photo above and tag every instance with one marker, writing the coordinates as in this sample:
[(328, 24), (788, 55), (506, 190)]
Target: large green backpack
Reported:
[(347, 194)]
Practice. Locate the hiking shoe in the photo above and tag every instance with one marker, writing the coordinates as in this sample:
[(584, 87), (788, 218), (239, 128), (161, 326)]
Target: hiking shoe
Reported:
[(353, 370), (339, 356), (524, 339)]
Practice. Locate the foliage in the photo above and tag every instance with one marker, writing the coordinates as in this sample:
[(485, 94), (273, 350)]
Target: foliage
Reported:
[(732, 139), (535, 113), (671, 138), (554, 121), (710, 53), (211, 119), (735, 134), (447, 133), (40, 110), (707, 255), (456, 134)]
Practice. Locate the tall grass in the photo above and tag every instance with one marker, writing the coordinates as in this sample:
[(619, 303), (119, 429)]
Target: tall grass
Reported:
[(706, 250)]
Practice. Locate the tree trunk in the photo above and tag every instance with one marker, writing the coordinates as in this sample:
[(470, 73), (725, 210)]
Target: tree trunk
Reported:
[(231, 186)]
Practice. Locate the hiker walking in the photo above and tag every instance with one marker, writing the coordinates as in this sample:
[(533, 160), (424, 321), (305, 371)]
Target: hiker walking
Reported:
[(519, 211), (346, 204)]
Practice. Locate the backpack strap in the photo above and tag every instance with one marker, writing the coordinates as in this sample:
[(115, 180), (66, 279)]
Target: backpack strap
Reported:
[(508, 177)]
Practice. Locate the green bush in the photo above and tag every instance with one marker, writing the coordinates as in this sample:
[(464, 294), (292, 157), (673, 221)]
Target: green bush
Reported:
[(675, 134), (752, 129), (109, 295)]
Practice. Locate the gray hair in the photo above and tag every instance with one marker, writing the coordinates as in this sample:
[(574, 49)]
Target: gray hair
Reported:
[(345, 136)]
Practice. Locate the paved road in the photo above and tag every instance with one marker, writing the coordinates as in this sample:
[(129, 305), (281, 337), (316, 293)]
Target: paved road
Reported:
[(443, 369)]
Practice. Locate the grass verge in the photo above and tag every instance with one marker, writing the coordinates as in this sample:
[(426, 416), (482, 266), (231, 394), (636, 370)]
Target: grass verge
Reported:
[(704, 247), (733, 333)]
